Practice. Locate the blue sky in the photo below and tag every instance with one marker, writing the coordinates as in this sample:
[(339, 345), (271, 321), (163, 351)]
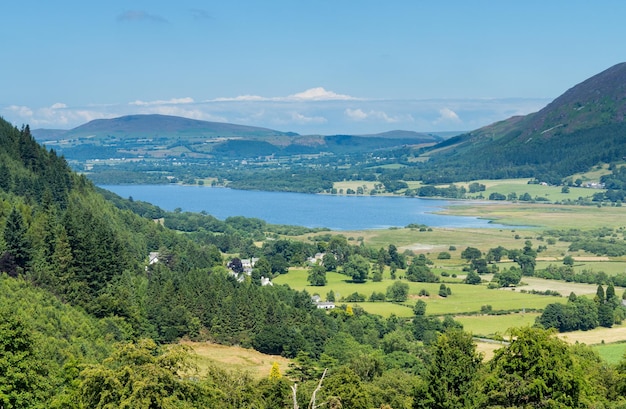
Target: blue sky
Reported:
[(316, 66)]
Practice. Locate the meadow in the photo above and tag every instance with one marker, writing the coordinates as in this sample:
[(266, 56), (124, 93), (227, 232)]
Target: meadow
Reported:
[(235, 359), (465, 298), (527, 221)]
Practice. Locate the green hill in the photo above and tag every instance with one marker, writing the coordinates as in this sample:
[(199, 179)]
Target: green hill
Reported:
[(580, 129), (147, 126), (162, 136)]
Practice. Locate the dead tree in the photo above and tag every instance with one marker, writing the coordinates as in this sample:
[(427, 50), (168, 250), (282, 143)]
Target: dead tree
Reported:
[(312, 405)]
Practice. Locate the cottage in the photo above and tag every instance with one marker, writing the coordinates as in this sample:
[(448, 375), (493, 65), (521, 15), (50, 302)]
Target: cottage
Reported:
[(317, 300), (327, 305), (317, 259)]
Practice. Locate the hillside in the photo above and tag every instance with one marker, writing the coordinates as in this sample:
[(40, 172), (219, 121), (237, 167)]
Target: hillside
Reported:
[(161, 136), (580, 129), (148, 126)]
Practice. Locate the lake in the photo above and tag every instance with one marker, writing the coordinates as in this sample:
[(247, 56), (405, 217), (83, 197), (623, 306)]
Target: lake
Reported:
[(301, 209)]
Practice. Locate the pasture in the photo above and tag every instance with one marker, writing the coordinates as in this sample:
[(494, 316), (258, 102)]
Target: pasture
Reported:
[(521, 186), (491, 326), (611, 353), (235, 358), (464, 299), (526, 221), (543, 216)]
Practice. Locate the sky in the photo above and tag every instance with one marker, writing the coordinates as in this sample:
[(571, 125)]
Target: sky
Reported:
[(311, 67)]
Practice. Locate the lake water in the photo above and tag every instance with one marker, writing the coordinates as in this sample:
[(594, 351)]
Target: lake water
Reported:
[(301, 209)]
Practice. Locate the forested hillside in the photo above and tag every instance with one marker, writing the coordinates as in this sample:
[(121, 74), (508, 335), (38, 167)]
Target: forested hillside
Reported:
[(87, 321)]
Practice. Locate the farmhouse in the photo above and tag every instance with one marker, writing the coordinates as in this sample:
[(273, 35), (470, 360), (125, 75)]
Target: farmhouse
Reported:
[(317, 259), (327, 305)]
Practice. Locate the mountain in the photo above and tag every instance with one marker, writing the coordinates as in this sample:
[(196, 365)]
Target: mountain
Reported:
[(400, 134), (159, 136), (157, 126), (581, 128)]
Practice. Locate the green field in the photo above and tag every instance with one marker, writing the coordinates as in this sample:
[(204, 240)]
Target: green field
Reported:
[(543, 216), (611, 353), (490, 325), (521, 186), (536, 219), (464, 299)]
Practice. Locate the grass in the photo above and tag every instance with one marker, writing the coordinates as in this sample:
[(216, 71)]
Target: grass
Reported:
[(527, 221), (521, 186), (440, 239), (544, 216), (491, 325), (235, 358), (464, 299), (565, 288), (354, 184), (611, 353), (597, 335)]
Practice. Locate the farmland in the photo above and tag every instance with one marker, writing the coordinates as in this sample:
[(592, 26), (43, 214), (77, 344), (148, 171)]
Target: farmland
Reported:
[(534, 223)]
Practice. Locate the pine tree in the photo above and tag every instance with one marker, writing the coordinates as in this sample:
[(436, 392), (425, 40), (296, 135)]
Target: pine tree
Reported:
[(610, 292), (17, 243), (452, 373), (600, 294)]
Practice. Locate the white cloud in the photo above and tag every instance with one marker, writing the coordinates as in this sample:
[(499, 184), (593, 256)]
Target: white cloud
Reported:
[(20, 111), (305, 116), (447, 115), (319, 94), (303, 119), (56, 115), (360, 115), (311, 94), (241, 98), (173, 101), (355, 114)]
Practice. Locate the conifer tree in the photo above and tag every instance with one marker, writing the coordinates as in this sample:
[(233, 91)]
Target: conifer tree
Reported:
[(18, 245)]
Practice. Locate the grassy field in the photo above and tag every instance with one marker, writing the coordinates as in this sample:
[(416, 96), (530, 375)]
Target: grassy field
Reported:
[(502, 186), (354, 184), (543, 216), (491, 325), (611, 353), (527, 221), (464, 299), (235, 358), (521, 186)]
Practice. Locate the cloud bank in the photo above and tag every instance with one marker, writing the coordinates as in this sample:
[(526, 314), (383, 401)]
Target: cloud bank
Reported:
[(312, 111)]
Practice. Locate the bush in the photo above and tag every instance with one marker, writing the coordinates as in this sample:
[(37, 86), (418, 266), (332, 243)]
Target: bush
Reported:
[(444, 255), (355, 297)]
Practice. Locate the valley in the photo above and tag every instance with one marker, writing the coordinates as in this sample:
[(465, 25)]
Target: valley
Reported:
[(111, 301)]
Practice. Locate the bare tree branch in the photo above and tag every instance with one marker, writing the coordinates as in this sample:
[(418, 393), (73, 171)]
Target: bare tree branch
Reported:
[(319, 386)]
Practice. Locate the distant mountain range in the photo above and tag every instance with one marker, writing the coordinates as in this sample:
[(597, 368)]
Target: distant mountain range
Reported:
[(578, 130), (581, 128), (132, 126), (155, 135)]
